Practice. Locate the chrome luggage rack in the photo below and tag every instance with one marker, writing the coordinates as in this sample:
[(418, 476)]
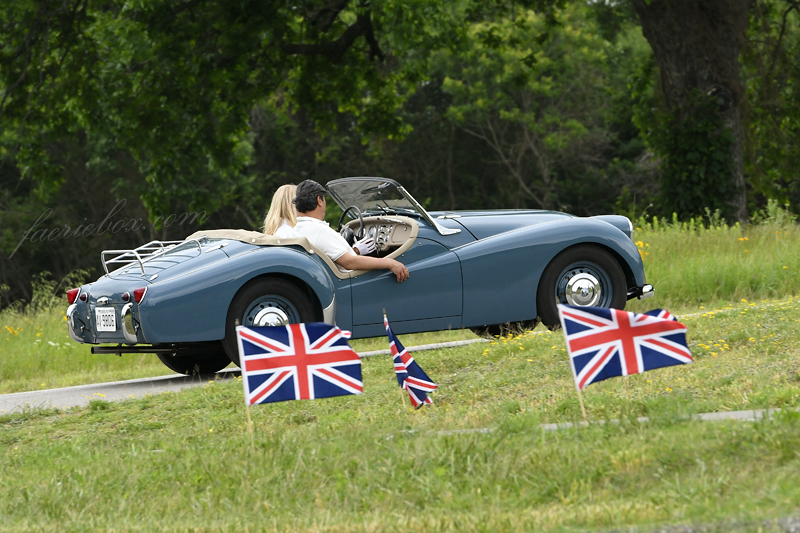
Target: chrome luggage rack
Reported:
[(143, 253)]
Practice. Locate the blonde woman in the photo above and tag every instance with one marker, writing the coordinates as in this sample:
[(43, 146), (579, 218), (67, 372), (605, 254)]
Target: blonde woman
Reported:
[(282, 217)]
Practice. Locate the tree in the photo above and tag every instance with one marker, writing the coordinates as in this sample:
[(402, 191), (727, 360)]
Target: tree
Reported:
[(772, 76), (537, 91), (174, 81), (696, 44)]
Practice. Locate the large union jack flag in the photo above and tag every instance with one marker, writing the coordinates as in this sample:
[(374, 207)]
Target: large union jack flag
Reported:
[(605, 343), (409, 374), (297, 362)]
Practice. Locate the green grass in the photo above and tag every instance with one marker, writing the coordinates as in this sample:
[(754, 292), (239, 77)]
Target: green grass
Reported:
[(692, 265), (185, 463), (37, 353), (181, 462)]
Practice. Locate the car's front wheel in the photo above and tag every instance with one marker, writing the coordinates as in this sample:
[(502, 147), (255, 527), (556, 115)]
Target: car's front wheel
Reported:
[(583, 276), (265, 302), (202, 359)]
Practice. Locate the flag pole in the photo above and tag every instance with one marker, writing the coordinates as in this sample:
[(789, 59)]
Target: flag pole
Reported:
[(572, 366), (250, 427), (247, 406), (402, 391), (577, 387), (583, 409)]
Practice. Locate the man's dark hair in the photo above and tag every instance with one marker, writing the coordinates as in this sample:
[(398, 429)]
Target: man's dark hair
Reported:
[(306, 196)]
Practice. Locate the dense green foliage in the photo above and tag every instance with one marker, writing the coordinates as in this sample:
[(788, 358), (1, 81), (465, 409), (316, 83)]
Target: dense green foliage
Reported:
[(533, 94), (696, 160), (117, 114), (772, 72)]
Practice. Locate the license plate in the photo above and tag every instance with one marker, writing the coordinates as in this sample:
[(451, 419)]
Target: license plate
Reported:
[(105, 318)]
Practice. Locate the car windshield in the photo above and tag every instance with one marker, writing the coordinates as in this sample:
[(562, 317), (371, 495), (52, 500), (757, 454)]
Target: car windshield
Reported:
[(380, 195), (372, 195)]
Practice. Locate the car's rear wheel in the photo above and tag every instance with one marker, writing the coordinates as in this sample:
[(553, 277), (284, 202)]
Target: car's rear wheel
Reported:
[(265, 302), (584, 276), (204, 359)]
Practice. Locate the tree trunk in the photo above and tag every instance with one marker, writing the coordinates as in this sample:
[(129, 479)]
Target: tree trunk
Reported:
[(696, 45)]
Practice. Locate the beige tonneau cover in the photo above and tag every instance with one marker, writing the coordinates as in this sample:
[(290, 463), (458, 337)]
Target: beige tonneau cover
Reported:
[(262, 239)]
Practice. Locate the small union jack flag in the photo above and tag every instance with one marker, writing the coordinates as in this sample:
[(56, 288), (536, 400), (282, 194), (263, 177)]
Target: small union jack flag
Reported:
[(409, 375), (297, 362), (605, 343)]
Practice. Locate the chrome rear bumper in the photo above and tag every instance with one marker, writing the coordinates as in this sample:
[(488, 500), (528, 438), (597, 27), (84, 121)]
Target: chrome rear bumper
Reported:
[(81, 330), (641, 293), (75, 325), (129, 324)]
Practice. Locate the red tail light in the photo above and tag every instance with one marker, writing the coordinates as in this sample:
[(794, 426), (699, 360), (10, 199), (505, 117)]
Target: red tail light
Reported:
[(72, 295), (138, 294), (83, 297)]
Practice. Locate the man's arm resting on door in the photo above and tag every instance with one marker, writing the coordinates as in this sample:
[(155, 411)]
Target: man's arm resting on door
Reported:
[(363, 262)]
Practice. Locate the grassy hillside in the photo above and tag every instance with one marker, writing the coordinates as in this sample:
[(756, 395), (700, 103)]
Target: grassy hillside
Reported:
[(474, 461), (184, 462)]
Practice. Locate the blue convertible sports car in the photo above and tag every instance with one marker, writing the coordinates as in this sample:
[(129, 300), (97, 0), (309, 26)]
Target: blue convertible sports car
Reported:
[(489, 271)]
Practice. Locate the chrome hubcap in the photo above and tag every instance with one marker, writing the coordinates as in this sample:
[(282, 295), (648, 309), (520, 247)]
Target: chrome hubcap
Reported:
[(270, 316), (583, 290)]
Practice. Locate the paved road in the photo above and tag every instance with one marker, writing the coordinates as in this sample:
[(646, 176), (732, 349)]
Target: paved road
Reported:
[(114, 391), (782, 525)]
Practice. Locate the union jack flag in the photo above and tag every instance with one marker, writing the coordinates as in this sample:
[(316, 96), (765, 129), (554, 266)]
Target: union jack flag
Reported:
[(297, 362), (605, 343), (409, 375)]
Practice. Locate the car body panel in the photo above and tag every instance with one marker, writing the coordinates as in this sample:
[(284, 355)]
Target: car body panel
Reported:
[(173, 262), (485, 225), (513, 263), (406, 327), (621, 223), (448, 241), (192, 306), (433, 289), (165, 317)]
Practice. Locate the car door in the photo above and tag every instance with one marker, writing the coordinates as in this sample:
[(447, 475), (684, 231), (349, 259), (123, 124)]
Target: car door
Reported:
[(431, 298)]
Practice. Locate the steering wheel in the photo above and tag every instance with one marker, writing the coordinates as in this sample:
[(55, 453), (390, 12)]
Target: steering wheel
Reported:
[(346, 231)]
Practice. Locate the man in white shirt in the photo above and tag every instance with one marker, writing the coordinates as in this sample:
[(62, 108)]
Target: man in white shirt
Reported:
[(310, 204)]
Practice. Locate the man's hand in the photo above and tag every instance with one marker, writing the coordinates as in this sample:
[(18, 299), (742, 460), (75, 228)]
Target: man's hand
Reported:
[(399, 270), (365, 246)]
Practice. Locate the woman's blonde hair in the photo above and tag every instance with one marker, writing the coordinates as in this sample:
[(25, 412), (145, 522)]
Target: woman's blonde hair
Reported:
[(281, 209)]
